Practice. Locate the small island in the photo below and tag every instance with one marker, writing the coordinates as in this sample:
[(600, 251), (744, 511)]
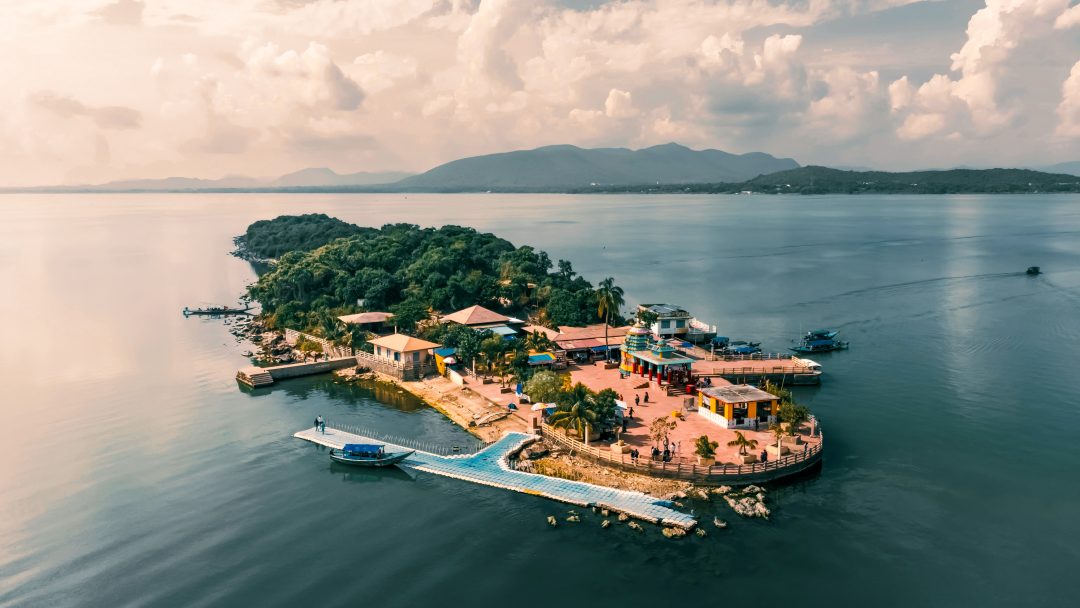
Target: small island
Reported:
[(504, 340)]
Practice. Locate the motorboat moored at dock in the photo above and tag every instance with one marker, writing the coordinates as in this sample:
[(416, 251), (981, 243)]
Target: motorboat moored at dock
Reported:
[(368, 455)]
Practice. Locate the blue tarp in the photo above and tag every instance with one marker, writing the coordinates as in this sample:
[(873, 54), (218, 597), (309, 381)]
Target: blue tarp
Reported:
[(362, 449), (541, 359), (445, 351), (598, 349)]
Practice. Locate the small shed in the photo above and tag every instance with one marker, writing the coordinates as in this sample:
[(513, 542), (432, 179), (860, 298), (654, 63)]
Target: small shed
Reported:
[(738, 406)]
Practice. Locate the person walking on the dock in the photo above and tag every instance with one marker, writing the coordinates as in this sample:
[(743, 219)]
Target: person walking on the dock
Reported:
[(646, 396), (764, 456), (630, 412), (637, 400), (320, 424), (316, 423)]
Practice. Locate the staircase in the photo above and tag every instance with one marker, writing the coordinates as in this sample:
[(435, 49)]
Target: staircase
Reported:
[(254, 377)]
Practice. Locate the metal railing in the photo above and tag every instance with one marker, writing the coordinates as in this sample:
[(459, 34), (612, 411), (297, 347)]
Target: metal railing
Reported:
[(748, 357), (684, 468)]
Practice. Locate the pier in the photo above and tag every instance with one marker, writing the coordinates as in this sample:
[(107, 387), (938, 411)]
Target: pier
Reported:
[(256, 377), (490, 467)]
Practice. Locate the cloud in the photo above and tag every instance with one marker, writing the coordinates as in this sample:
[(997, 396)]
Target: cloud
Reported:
[(322, 83), (256, 86), (1068, 110), (106, 117), (619, 104), (991, 56), (121, 12)]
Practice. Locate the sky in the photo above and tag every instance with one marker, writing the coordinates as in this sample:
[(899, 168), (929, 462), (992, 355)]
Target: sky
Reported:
[(118, 89)]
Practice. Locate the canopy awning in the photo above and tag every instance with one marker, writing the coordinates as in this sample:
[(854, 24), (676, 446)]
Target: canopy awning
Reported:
[(362, 449), (541, 359)]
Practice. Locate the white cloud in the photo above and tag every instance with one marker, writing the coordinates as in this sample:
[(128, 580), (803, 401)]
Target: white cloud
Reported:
[(262, 87), (619, 104), (1068, 110)]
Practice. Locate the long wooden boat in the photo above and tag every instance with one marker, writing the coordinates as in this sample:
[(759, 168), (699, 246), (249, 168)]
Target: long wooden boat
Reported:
[(368, 455), (216, 310), (819, 346)]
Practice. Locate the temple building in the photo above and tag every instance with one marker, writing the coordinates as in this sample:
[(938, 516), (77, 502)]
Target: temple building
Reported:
[(738, 406), (657, 360)]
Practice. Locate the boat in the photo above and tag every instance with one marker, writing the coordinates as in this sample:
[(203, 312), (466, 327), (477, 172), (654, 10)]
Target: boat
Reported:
[(1034, 270), (819, 346), (821, 334), (727, 346), (216, 310), (368, 455), (719, 523)]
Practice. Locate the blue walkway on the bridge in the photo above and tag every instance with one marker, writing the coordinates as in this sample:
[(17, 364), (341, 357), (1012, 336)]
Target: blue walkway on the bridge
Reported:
[(488, 467)]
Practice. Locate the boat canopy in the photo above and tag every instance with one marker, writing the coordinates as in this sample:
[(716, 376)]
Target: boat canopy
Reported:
[(362, 449), (821, 342)]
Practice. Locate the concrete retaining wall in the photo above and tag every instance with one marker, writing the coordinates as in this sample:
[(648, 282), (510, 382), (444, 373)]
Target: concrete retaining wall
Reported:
[(294, 370)]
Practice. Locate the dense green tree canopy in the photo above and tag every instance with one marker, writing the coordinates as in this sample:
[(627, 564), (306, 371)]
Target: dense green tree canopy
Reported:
[(410, 271), (268, 239)]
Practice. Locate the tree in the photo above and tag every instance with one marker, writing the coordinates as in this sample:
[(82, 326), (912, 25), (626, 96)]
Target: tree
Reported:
[(408, 314), (357, 338), (659, 429), (794, 414), (705, 448), (538, 341), (544, 387), (742, 443), (491, 350), (609, 299), (576, 411)]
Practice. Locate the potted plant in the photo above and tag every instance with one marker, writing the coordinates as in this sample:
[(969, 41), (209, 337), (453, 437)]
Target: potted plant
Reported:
[(743, 444), (706, 451)]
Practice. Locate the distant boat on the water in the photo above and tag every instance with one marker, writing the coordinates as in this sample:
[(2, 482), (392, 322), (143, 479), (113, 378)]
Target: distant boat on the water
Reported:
[(819, 346), (368, 455), (821, 334), (216, 310), (1033, 270)]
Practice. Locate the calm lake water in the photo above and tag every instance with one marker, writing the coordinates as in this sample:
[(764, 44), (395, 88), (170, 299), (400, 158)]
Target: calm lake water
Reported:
[(133, 472)]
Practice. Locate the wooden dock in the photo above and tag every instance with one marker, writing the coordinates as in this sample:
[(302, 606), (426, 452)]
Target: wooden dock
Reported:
[(489, 467)]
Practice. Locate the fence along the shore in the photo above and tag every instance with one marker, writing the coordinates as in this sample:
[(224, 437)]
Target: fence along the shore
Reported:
[(685, 468), (468, 446)]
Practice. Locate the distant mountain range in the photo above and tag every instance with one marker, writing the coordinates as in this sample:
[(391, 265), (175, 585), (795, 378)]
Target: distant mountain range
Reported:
[(1072, 168), (307, 178), (665, 168), (561, 167)]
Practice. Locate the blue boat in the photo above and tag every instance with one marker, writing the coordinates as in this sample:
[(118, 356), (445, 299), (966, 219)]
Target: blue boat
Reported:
[(820, 334), (819, 346), (368, 455)]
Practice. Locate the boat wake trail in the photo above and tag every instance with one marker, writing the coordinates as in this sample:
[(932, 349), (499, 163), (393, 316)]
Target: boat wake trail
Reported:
[(904, 285)]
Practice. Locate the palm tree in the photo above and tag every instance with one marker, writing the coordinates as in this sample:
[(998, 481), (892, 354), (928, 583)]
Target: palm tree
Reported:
[(742, 443), (537, 341), (609, 299), (576, 411)]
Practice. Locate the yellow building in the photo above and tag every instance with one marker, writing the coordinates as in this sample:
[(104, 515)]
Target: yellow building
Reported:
[(738, 406)]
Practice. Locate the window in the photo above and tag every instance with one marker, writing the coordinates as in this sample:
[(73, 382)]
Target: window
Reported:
[(416, 356), (397, 356), (680, 323), (665, 324)]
